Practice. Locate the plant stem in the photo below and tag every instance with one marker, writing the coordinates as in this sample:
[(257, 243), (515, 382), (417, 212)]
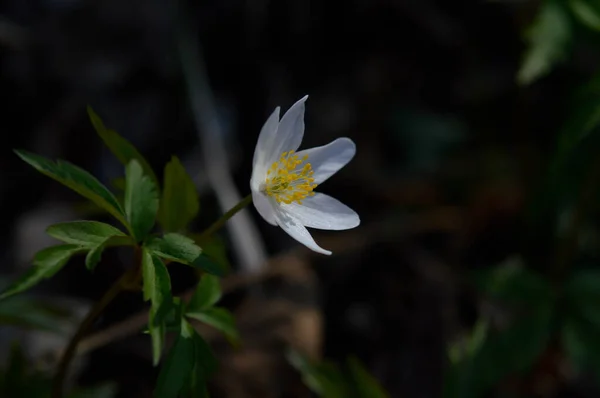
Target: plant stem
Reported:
[(230, 213), (88, 321)]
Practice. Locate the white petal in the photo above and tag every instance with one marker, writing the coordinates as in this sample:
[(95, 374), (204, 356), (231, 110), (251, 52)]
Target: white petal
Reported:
[(323, 212), (289, 133), (260, 162), (296, 230), (264, 208), (326, 160)]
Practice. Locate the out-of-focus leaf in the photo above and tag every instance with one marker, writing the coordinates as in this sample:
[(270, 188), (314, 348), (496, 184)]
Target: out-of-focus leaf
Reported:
[(141, 200), (181, 249), (219, 318), (511, 283), (179, 204), (119, 146), (513, 350), (548, 38), (587, 12), (83, 233), (78, 180), (582, 292), (30, 313), (207, 294), (46, 263), (214, 249), (365, 385), (177, 367), (157, 289), (325, 379), (105, 390), (16, 370)]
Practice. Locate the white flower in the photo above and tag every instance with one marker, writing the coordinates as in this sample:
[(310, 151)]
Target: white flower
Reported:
[(283, 180)]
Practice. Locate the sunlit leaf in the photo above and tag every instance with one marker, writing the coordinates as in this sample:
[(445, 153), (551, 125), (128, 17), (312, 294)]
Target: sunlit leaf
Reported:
[(141, 200), (46, 263), (181, 249), (78, 180), (548, 38), (83, 233), (179, 204)]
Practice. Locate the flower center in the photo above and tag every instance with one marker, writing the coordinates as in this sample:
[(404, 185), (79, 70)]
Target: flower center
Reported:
[(288, 180)]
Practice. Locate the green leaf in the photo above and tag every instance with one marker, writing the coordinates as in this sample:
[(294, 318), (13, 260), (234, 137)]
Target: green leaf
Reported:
[(207, 294), (365, 385), (206, 362), (582, 292), (587, 12), (219, 318), (513, 284), (29, 313), (176, 368), (581, 343), (181, 249), (157, 289), (548, 38), (513, 350), (46, 263), (141, 200), (119, 146), (78, 180), (325, 379), (179, 204), (83, 233), (213, 249)]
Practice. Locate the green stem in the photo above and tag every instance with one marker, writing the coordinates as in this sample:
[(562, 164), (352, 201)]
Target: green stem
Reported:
[(121, 284), (221, 221)]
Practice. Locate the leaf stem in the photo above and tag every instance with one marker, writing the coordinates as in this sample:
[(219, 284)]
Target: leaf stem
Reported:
[(230, 213), (120, 285)]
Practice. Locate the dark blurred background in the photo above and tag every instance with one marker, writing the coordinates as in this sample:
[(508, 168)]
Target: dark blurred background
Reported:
[(457, 109)]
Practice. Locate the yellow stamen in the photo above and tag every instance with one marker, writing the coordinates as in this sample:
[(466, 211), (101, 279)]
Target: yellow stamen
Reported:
[(288, 181)]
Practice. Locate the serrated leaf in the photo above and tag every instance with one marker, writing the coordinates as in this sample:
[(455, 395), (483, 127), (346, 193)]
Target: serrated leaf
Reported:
[(46, 263), (181, 249), (176, 368), (83, 233), (548, 38), (78, 180), (119, 146), (141, 200), (207, 294), (587, 12), (157, 289), (179, 204), (219, 318), (365, 385)]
